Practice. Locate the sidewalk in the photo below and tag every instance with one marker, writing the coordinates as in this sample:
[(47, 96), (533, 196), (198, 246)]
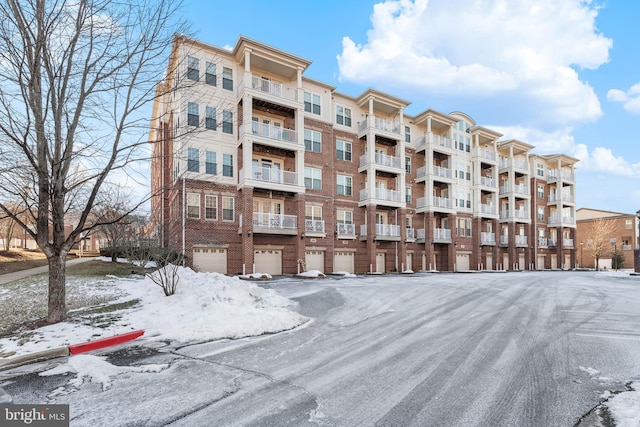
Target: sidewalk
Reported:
[(12, 277)]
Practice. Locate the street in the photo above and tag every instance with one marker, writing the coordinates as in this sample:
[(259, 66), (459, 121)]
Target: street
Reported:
[(485, 349)]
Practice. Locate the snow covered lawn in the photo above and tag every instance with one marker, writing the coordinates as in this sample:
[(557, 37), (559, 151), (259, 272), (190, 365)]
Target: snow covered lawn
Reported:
[(206, 306)]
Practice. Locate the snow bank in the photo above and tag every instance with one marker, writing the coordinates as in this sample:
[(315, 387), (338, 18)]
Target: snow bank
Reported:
[(624, 407)]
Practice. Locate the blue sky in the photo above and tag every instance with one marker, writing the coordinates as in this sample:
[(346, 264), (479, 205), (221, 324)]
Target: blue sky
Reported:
[(563, 75)]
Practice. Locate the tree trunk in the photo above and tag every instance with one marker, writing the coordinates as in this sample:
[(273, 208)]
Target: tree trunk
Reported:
[(57, 295)]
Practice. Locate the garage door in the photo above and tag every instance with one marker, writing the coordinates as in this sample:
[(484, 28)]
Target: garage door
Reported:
[(409, 262), (554, 262), (489, 265), (210, 260), (380, 262), (343, 261), (268, 261), (521, 262), (462, 262), (315, 260), (567, 261), (540, 262)]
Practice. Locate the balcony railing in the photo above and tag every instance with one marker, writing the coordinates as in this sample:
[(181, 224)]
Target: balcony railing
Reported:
[(564, 198), (567, 243), (436, 202), (488, 181), (420, 234), (441, 235), (488, 209), (411, 234), (553, 175), (515, 163), (504, 240), (542, 242), (626, 247), (553, 243), (421, 172), (520, 214), (267, 86), (274, 221), (555, 220), (382, 194), (314, 225), (521, 240), (382, 230), (487, 238), (442, 172), (346, 229), (518, 189), (442, 141), (483, 153), (382, 160), (273, 176), (380, 124), (276, 133)]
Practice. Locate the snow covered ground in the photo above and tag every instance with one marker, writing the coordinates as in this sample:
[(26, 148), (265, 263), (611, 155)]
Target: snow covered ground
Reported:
[(209, 306)]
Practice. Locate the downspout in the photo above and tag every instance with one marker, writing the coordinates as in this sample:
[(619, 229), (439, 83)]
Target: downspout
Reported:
[(184, 214)]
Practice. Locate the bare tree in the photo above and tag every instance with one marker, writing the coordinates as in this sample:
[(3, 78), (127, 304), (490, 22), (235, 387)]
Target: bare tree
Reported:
[(599, 239), (7, 227), (77, 78)]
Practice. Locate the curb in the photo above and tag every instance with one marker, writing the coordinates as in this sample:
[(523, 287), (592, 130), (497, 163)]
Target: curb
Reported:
[(71, 350)]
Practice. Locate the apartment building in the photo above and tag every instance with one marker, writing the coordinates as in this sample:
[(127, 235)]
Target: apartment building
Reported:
[(259, 168), (621, 236)]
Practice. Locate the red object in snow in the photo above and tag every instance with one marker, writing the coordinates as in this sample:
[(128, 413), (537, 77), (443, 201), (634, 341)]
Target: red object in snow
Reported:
[(104, 342)]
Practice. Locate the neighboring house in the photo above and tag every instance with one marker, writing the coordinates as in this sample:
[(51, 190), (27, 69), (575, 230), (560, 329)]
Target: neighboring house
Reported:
[(259, 168), (623, 236)]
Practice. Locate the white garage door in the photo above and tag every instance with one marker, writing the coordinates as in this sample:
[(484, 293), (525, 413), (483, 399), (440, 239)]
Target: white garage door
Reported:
[(343, 261), (315, 260), (409, 262), (462, 262), (268, 261), (210, 260), (489, 265), (540, 262), (521, 262), (554, 262), (567, 261)]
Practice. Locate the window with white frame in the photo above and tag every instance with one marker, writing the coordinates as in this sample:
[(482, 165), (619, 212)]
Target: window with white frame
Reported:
[(210, 76), (211, 163), (541, 213), (312, 213), (193, 68), (407, 164), (193, 205), (407, 193), (343, 150), (344, 187), (228, 208), (227, 165), (193, 114), (193, 160), (312, 140), (540, 170), (227, 121), (343, 115), (210, 121), (344, 220), (313, 178), (468, 224), (210, 207), (312, 103), (407, 134), (540, 191), (227, 78)]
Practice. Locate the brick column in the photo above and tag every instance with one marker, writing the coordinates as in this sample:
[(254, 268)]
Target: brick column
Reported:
[(300, 244), (402, 246), (513, 253), (246, 207), (371, 234), (429, 225)]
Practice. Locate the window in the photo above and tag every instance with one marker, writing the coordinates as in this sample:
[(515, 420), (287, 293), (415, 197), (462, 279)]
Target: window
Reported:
[(227, 78), (193, 114), (193, 205), (313, 213), (227, 121), (211, 163), (467, 146), (210, 118), (407, 134), (227, 208), (193, 160), (343, 150), (407, 193), (312, 103), (344, 185), (227, 164), (541, 213), (193, 68), (468, 175), (210, 74), (343, 115), (628, 224), (468, 228), (210, 207), (461, 199), (540, 170), (312, 140), (540, 191), (468, 200), (344, 217), (313, 178), (407, 164), (460, 223)]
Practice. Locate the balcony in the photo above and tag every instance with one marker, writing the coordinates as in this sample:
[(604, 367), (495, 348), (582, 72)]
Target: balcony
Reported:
[(561, 221), (346, 231), (441, 235), (435, 203), (519, 189), (487, 209), (382, 196), (382, 162), (383, 232), (553, 243), (421, 173), (555, 175), (521, 241), (542, 242), (516, 164), (420, 235), (487, 181), (314, 227), (555, 198), (488, 239), (567, 243), (504, 240), (411, 234), (381, 127), (270, 178), (627, 247), (484, 154), (269, 223), (514, 215), (273, 136)]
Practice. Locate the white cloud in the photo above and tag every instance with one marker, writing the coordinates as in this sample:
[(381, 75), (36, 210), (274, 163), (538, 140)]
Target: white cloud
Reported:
[(515, 54), (554, 142), (602, 159), (630, 99)]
